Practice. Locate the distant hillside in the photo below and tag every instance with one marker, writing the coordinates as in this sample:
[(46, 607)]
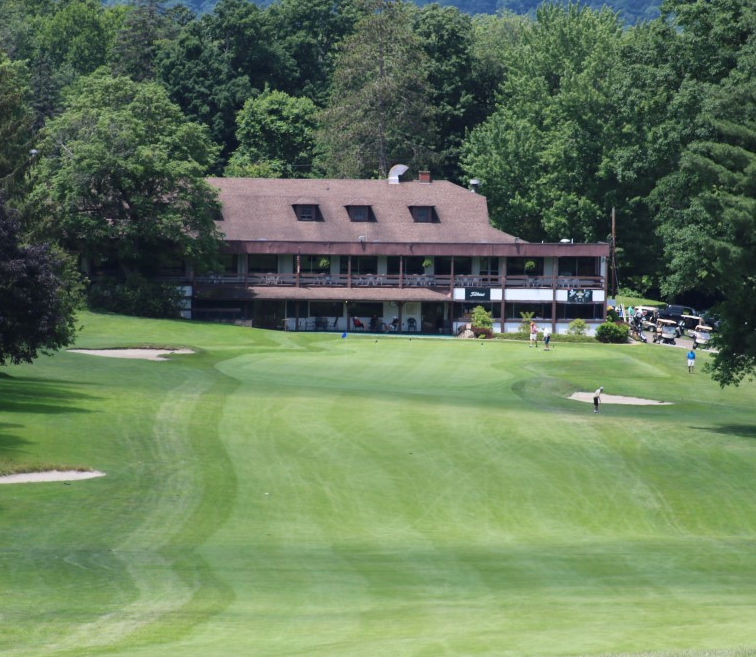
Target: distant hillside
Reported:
[(631, 11)]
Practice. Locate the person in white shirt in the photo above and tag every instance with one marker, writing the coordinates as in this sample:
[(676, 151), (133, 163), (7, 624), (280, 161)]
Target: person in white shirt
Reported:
[(597, 399), (546, 338)]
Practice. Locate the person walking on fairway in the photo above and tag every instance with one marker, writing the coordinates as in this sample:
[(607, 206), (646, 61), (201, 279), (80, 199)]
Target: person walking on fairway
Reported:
[(691, 361), (546, 338), (533, 334), (597, 399)]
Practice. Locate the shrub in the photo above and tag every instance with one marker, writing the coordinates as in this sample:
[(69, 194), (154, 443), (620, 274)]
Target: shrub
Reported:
[(611, 332), (481, 318), (484, 333), (137, 297), (577, 327)]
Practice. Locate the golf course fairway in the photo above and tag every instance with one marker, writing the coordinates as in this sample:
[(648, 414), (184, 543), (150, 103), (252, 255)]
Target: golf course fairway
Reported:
[(278, 494)]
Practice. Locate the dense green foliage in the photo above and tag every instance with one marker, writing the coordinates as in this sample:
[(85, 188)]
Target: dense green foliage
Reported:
[(40, 291), (120, 178), (611, 332), (565, 116)]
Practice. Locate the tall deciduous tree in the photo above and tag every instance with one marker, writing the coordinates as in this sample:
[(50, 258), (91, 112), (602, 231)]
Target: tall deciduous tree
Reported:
[(120, 177), (276, 136), (379, 112), (199, 76), (16, 120), (539, 154), (39, 294), (308, 31), (446, 38)]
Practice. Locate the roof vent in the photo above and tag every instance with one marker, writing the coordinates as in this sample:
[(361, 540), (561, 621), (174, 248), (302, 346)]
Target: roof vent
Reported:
[(396, 171), (474, 185)]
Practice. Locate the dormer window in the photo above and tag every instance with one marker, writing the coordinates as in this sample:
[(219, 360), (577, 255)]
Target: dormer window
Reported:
[(424, 214), (308, 213), (360, 213)]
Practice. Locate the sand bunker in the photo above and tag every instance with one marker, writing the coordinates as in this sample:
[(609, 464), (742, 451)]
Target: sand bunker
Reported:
[(144, 354), (617, 399), (51, 475)]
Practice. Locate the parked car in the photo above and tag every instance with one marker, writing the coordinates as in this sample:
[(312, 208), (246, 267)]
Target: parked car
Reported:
[(675, 313), (666, 331)]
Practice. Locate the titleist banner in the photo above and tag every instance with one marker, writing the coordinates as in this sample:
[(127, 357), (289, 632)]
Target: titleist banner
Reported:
[(477, 294)]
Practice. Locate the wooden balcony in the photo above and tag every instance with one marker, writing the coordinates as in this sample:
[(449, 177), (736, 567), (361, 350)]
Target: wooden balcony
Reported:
[(405, 280)]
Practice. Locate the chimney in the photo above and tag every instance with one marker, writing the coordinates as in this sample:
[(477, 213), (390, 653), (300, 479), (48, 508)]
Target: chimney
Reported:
[(424, 176), (474, 185)]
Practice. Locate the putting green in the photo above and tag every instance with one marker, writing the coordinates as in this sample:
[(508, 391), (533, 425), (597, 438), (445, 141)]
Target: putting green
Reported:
[(281, 494)]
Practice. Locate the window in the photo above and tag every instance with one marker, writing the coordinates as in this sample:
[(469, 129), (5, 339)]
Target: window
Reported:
[(566, 311), (360, 265), (307, 213), (360, 213), (262, 262), (582, 266), (525, 266), (424, 214), (489, 266), (539, 310), (228, 262)]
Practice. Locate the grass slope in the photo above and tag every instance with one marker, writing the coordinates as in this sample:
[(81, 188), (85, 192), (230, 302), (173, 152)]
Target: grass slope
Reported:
[(280, 494)]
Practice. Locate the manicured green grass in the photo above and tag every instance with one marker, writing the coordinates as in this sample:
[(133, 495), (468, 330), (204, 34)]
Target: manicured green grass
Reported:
[(281, 494)]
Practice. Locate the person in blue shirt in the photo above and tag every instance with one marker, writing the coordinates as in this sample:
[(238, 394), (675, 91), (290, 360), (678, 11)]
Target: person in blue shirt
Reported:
[(691, 360)]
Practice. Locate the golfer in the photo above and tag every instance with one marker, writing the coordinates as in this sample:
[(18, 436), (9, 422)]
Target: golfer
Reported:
[(597, 399), (546, 338), (533, 335), (691, 360)]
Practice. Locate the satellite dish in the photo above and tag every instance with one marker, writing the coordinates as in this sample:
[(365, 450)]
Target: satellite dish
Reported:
[(396, 171)]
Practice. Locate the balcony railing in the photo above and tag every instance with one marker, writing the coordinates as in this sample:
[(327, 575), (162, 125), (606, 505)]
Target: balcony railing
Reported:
[(405, 280)]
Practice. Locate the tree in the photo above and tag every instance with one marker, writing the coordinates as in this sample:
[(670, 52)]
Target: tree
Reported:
[(379, 112), (39, 294), (200, 78), (708, 211), (75, 36), (120, 177), (538, 156), (308, 31), (276, 134), (16, 120), (446, 38), (145, 25)]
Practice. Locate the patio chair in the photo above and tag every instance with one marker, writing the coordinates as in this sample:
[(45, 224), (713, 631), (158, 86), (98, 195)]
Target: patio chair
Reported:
[(412, 324)]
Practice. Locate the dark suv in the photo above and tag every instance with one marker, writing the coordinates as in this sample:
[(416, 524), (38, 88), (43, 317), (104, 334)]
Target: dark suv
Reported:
[(676, 313)]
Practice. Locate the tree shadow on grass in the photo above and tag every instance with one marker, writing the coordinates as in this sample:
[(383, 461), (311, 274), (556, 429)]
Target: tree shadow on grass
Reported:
[(741, 430), (41, 396), (9, 442)]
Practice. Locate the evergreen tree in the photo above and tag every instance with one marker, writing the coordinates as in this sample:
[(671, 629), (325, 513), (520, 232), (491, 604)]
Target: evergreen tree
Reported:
[(379, 112)]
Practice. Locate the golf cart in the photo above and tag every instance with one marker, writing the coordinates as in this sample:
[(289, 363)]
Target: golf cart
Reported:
[(688, 325), (701, 336), (666, 331), (648, 316)]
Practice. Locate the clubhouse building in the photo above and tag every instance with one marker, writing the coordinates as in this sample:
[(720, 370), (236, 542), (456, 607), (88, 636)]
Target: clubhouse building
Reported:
[(410, 256)]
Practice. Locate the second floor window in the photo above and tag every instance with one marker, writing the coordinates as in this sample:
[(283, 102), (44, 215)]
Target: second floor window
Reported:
[(307, 213), (423, 214), (359, 213)]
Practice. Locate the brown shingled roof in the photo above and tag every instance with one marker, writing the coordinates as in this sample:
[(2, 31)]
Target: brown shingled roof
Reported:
[(262, 209)]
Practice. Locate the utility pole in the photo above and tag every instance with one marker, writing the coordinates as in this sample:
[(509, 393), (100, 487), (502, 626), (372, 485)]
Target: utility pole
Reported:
[(614, 253)]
